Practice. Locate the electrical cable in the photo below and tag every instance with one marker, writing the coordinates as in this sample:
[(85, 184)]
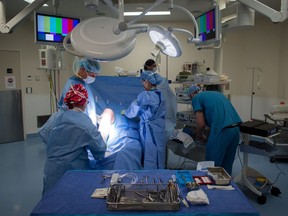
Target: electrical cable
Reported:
[(281, 172)]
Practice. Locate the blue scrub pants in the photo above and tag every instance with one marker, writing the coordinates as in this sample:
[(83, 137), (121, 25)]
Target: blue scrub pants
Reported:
[(221, 147)]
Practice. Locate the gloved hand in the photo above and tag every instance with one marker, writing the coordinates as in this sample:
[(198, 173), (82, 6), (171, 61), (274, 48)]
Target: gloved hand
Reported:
[(123, 112), (185, 138)]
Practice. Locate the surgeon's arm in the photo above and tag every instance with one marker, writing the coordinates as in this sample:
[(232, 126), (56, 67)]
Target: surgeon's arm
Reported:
[(97, 146), (200, 125)]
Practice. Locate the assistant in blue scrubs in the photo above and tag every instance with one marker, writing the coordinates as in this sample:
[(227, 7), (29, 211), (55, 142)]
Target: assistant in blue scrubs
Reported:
[(214, 110), (68, 134), (150, 108)]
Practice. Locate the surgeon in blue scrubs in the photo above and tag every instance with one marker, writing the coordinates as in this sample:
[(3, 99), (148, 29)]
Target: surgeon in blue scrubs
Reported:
[(214, 110), (169, 96), (85, 71), (68, 134), (150, 108)]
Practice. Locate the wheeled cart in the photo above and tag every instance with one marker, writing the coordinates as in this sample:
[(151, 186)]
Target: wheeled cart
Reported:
[(249, 177)]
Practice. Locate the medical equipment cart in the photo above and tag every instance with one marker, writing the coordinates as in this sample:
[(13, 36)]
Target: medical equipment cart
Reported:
[(280, 140), (251, 178)]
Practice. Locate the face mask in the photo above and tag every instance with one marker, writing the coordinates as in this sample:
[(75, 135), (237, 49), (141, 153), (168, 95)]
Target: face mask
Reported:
[(154, 69), (89, 79)]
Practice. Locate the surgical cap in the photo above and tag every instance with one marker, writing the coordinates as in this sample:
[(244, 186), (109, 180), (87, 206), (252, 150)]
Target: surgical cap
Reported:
[(193, 88), (149, 62), (76, 96), (90, 65), (152, 77)]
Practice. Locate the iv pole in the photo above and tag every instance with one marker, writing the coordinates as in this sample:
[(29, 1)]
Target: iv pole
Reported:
[(252, 89)]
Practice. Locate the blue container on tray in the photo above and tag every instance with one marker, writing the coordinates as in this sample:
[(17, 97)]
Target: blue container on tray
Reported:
[(183, 177)]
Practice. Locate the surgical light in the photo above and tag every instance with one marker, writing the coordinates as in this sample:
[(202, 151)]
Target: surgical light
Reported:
[(165, 40), (94, 38)]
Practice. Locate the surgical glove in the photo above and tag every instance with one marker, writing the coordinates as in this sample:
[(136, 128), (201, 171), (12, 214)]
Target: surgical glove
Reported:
[(185, 139), (198, 197), (98, 118), (123, 112)]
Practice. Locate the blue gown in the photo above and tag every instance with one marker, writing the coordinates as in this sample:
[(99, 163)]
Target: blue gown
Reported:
[(150, 108), (91, 106), (171, 107), (219, 115), (68, 134)]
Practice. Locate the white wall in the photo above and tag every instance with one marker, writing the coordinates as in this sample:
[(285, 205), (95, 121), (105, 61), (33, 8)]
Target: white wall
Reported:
[(264, 46)]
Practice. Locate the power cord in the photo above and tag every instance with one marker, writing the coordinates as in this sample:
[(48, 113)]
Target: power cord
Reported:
[(281, 172)]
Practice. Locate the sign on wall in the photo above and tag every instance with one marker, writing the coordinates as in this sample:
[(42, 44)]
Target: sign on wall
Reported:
[(10, 82)]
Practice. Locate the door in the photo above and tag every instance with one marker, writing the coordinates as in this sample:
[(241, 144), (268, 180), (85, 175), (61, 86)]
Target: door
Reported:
[(11, 117)]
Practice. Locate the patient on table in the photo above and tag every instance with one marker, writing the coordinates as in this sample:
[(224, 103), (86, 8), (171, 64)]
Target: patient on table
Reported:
[(123, 146)]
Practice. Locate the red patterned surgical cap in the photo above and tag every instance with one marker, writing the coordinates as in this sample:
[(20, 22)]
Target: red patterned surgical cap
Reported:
[(76, 96)]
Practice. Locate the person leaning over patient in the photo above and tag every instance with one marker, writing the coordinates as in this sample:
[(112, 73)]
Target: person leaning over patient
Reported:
[(68, 134), (214, 110)]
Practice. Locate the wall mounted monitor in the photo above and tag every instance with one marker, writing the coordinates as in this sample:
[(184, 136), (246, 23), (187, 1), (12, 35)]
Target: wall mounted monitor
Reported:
[(50, 29), (209, 24)]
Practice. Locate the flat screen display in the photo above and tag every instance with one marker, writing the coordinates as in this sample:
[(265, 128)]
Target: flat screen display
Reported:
[(209, 26), (52, 28)]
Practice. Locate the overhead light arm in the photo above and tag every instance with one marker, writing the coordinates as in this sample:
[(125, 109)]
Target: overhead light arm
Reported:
[(156, 3), (275, 16), (109, 3), (8, 27), (140, 28)]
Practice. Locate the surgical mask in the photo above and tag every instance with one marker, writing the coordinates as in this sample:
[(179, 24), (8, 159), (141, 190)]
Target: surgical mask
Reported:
[(154, 69), (89, 79)]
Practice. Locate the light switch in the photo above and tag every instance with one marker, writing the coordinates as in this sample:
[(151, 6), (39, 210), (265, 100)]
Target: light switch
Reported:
[(29, 90)]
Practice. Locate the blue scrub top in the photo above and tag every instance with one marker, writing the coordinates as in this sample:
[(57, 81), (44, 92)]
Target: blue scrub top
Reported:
[(68, 134), (218, 110)]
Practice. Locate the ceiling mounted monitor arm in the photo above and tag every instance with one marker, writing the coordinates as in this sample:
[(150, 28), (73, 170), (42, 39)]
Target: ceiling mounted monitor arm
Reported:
[(156, 3), (275, 16), (140, 28), (8, 27), (192, 38)]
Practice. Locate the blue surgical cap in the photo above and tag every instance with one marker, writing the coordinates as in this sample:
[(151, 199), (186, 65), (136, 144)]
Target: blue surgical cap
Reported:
[(152, 77), (193, 88), (90, 65)]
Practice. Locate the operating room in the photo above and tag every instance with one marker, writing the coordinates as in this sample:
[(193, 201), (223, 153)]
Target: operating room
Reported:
[(252, 56)]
